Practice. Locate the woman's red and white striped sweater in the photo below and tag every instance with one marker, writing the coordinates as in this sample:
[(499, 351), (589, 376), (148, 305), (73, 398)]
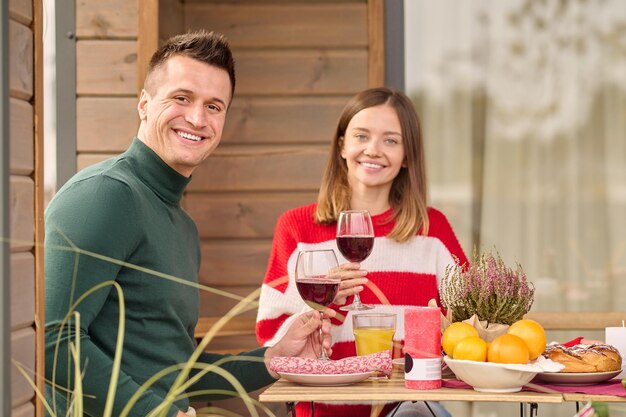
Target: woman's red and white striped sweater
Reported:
[(399, 274)]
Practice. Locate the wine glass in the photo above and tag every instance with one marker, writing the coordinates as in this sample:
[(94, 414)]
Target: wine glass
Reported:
[(355, 240), (317, 280)]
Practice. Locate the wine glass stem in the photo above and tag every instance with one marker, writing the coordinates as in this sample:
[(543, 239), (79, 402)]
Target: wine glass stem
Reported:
[(323, 356)]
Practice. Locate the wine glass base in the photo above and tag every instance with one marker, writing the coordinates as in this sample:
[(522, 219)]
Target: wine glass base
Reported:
[(356, 307)]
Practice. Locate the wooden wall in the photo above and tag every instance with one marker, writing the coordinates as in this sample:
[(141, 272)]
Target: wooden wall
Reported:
[(297, 65), (298, 62), (25, 196), (106, 78)]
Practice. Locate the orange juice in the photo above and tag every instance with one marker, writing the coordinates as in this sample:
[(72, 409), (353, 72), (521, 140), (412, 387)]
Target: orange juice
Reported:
[(373, 339)]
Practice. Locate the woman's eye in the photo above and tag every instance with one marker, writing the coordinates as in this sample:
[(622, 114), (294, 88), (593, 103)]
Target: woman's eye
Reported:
[(391, 141), (360, 137)]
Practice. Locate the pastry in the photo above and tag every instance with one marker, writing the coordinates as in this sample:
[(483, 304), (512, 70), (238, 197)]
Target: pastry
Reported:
[(585, 358)]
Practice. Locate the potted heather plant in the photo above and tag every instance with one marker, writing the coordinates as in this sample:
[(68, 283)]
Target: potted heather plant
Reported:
[(487, 294)]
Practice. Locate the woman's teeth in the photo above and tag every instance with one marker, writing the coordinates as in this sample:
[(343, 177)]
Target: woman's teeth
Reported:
[(368, 165)]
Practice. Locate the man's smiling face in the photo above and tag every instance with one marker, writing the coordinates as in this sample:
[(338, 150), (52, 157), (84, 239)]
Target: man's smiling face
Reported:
[(183, 110)]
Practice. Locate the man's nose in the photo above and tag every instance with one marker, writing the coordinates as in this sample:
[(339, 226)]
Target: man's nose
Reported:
[(197, 116)]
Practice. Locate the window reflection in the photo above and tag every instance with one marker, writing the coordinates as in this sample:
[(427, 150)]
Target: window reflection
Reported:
[(523, 105)]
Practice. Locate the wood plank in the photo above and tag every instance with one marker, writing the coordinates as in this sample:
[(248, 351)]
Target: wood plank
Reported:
[(22, 213), (265, 168), (376, 43), (263, 120), (24, 410), (84, 160), (147, 38), (293, 72), (236, 326), (233, 344), (105, 124), (577, 320), (38, 175), (22, 135), (23, 352), (244, 262), (394, 390), (106, 19), (22, 290), (241, 215), (175, 21), (218, 305), (106, 68), (188, 2), (21, 11), (20, 61), (283, 25)]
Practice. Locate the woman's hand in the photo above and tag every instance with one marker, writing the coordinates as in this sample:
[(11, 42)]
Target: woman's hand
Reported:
[(352, 281)]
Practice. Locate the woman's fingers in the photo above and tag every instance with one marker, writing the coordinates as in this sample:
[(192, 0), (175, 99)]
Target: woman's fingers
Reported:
[(348, 288)]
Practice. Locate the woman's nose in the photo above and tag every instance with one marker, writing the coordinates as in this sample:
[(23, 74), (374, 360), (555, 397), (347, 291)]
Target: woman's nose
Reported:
[(372, 148)]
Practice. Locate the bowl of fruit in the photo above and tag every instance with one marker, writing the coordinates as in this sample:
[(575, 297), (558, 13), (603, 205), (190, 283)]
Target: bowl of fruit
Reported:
[(491, 377), (506, 364)]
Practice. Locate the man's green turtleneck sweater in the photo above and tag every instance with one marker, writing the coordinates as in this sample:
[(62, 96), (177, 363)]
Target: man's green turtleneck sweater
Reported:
[(121, 221)]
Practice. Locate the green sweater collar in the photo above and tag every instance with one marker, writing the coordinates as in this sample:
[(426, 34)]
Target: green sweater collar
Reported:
[(155, 173)]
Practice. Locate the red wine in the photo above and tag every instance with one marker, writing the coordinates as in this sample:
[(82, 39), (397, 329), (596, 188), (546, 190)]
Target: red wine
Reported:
[(355, 248), (317, 293)]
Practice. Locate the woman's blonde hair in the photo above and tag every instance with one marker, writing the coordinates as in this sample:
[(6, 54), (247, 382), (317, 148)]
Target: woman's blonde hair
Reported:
[(408, 191)]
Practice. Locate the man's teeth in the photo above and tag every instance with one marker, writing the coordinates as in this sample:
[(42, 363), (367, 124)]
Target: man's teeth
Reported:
[(368, 165), (189, 136)]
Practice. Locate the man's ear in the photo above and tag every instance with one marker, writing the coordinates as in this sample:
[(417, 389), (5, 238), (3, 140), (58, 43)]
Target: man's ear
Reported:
[(142, 105)]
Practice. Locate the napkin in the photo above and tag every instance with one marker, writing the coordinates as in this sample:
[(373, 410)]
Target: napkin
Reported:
[(379, 362)]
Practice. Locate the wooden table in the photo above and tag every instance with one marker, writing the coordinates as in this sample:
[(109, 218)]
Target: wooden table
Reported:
[(394, 390)]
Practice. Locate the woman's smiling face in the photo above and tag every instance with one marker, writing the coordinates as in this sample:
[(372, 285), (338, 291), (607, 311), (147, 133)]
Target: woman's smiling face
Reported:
[(373, 147)]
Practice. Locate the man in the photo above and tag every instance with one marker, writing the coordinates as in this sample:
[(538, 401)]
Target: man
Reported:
[(117, 237)]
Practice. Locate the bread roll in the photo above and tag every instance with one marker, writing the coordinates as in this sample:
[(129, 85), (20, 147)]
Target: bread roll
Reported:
[(585, 358)]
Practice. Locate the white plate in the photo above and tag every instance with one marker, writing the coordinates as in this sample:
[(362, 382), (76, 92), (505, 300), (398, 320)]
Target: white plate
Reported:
[(576, 378), (325, 380)]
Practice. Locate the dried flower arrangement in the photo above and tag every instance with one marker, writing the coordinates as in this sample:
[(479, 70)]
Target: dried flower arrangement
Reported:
[(487, 288)]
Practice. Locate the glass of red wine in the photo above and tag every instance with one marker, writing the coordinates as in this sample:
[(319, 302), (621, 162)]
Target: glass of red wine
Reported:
[(317, 280), (355, 240)]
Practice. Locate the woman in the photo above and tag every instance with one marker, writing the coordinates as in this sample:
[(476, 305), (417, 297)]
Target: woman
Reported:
[(376, 164)]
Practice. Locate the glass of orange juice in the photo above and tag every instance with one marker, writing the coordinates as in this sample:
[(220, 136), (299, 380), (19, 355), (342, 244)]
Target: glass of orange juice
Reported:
[(373, 332)]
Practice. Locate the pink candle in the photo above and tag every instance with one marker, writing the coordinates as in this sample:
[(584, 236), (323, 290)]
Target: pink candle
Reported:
[(422, 347)]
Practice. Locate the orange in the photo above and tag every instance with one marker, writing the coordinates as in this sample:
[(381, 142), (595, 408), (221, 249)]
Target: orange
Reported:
[(532, 333), (471, 348), (454, 333), (508, 348)]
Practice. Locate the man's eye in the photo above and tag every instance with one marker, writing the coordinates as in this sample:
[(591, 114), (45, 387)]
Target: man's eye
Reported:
[(213, 107), (182, 99)]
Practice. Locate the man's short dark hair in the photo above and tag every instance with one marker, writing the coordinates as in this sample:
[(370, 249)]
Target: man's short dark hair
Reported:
[(208, 47)]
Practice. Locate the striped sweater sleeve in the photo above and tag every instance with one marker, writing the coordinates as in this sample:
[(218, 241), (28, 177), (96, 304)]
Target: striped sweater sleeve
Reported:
[(278, 304)]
